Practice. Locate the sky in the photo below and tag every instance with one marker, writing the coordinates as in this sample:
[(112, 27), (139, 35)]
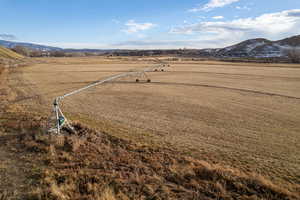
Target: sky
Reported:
[(147, 24)]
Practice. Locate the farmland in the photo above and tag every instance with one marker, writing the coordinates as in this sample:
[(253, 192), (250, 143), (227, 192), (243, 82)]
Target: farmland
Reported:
[(242, 115)]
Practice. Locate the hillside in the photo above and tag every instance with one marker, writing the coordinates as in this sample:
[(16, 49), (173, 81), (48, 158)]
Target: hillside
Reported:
[(8, 54), (95, 165), (244, 48), (10, 44), (291, 41), (259, 47)]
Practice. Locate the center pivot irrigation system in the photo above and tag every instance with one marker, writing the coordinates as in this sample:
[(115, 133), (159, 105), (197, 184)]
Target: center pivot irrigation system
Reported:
[(61, 120)]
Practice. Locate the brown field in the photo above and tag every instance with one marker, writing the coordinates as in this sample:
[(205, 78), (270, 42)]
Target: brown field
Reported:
[(246, 116)]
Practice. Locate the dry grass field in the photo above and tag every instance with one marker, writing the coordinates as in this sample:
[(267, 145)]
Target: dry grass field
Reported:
[(246, 116), (7, 53)]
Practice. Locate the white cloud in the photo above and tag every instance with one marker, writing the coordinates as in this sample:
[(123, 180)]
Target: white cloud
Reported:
[(141, 44), (218, 17), (243, 8), (134, 27), (213, 4), (5, 36), (271, 24), (165, 44)]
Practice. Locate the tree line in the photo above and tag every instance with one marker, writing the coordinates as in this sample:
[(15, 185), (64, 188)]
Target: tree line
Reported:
[(38, 53), (291, 55)]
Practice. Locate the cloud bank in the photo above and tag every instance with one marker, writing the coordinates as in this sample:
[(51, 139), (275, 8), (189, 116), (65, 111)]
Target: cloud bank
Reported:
[(271, 25), (212, 4), (218, 17), (134, 27), (4, 36)]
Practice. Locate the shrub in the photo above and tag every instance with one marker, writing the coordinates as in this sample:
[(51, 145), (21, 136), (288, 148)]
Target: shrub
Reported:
[(293, 55), (21, 50)]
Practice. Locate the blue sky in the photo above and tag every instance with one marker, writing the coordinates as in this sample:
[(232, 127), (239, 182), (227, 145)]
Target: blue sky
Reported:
[(144, 24)]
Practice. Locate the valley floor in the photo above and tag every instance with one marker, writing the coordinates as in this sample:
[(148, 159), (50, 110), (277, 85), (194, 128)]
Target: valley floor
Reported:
[(246, 116)]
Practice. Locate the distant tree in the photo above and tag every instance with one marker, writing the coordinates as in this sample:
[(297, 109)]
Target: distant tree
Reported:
[(58, 54), (293, 55), (21, 50), (76, 54), (90, 54), (36, 54)]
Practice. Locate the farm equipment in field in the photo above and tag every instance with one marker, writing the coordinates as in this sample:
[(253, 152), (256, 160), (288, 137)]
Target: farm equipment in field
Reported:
[(60, 119)]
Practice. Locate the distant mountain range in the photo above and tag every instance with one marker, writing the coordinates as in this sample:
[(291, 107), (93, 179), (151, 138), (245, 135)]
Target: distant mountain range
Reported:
[(259, 48), (10, 44), (38, 47)]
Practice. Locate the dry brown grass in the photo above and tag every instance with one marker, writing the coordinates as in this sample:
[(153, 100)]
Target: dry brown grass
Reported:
[(94, 165), (1, 68), (244, 115), (241, 115), (108, 194)]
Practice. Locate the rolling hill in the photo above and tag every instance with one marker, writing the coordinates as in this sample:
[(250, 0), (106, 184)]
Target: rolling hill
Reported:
[(9, 54), (259, 47), (38, 47)]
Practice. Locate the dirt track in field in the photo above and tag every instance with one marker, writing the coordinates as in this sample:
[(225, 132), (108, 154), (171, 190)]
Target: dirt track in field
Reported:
[(243, 115)]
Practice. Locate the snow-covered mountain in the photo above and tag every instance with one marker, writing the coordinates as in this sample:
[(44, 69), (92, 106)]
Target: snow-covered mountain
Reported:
[(10, 44), (259, 47)]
